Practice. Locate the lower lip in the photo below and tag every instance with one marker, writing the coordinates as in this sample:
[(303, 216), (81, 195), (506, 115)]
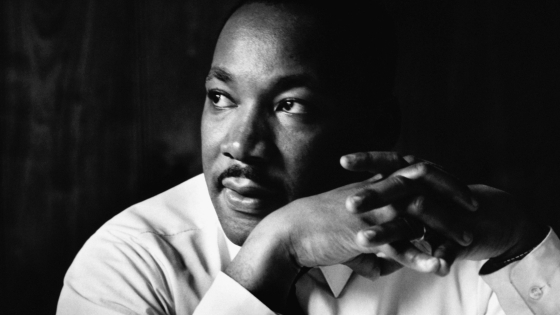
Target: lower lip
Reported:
[(240, 203)]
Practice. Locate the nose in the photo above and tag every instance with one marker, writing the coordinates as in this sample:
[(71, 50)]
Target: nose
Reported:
[(249, 137)]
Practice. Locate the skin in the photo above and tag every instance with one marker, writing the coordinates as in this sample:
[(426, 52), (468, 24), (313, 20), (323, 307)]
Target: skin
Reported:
[(268, 112), (272, 140)]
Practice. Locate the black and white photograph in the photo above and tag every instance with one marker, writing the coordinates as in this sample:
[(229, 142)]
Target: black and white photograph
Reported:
[(255, 157)]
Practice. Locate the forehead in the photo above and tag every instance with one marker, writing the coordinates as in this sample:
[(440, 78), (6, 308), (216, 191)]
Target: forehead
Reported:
[(264, 38)]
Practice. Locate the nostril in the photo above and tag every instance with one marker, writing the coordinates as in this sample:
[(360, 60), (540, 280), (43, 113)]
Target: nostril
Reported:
[(228, 155)]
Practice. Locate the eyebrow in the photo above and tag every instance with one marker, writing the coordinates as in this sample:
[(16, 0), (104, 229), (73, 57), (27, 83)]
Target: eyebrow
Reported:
[(220, 74), (286, 82)]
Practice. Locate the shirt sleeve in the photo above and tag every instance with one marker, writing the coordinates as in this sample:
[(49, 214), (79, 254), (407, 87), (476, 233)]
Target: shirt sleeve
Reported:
[(227, 297), (532, 284), (118, 273), (114, 275)]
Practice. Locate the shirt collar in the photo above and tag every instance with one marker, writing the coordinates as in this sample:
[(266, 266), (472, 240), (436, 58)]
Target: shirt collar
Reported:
[(231, 248), (337, 277)]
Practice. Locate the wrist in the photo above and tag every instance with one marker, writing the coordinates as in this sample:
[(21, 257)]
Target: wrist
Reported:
[(265, 266), (532, 236)]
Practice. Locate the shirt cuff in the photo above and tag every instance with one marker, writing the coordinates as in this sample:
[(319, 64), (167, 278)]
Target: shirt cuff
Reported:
[(226, 296), (532, 284)]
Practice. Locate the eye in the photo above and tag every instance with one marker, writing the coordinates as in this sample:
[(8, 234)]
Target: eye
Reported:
[(220, 99), (291, 106)]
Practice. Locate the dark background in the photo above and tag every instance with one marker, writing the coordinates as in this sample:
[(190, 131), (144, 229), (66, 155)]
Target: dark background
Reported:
[(101, 102)]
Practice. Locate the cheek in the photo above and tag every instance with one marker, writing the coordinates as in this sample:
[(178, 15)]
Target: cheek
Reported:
[(210, 139), (310, 161)]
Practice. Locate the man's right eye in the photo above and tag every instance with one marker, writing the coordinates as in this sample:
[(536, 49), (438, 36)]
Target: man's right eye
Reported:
[(220, 100)]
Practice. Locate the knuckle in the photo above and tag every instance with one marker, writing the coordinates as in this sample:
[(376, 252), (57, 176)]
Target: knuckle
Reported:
[(423, 168), (366, 188), (398, 180), (394, 157), (418, 205)]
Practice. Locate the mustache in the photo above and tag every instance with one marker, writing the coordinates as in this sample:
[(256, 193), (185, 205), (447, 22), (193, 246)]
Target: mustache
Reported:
[(249, 173)]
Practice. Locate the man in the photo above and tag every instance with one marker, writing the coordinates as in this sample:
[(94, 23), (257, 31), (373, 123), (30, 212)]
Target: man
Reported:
[(292, 89)]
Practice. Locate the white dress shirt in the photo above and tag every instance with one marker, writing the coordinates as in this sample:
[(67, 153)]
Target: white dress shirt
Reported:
[(166, 256)]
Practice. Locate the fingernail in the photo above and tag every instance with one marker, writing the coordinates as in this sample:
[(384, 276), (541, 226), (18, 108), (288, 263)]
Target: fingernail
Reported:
[(350, 159), (357, 201), (369, 234), (467, 237)]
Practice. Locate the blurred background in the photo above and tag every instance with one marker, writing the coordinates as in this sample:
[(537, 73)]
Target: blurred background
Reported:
[(101, 102)]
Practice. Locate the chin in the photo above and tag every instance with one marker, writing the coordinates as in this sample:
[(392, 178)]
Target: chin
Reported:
[(237, 226), (237, 230)]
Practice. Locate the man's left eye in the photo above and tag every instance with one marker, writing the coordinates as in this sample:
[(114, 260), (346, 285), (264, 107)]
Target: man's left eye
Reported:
[(293, 107)]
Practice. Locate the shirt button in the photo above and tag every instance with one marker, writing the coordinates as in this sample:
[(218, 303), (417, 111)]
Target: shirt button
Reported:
[(535, 293)]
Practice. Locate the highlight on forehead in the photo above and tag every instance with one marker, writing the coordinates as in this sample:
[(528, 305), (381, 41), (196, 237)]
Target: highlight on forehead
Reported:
[(264, 37), (272, 21)]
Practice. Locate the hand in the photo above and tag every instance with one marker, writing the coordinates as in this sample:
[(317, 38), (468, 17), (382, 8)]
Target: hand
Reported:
[(479, 222), (371, 239), (321, 233), (309, 232)]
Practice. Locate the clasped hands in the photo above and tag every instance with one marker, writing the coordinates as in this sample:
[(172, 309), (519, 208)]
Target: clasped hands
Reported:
[(361, 224)]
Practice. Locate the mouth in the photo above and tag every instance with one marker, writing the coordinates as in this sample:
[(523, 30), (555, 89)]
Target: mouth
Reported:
[(249, 197)]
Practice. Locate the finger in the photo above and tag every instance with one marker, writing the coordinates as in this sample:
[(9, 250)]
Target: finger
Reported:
[(414, 179), (442, 218), (366, 265), (409, 256), (447, 253), (411, 159), (440, 183), (374, 162), (389, 232), (383, 214), (377, 194)]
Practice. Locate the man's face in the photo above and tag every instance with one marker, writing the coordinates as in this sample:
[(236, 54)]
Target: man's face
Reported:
[(270, 131)]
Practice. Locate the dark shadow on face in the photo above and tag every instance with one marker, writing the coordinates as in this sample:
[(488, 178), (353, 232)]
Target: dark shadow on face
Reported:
[(281, 109)]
